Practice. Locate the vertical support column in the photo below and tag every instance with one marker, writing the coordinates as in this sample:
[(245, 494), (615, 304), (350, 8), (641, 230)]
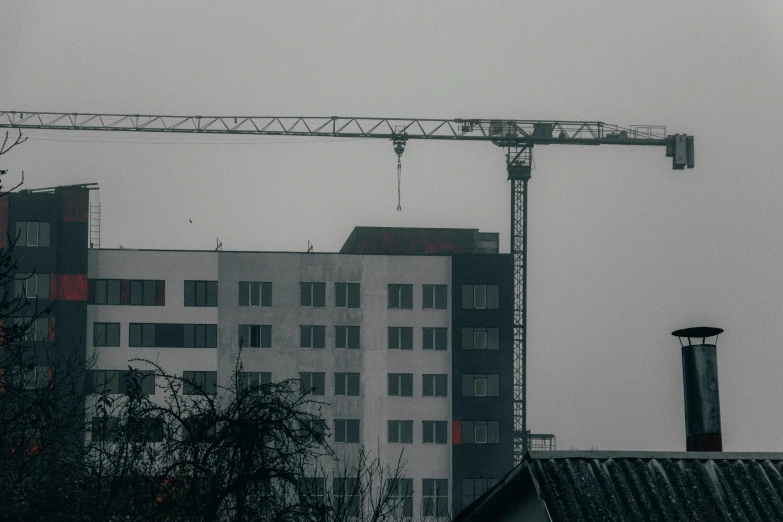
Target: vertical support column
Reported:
[(518, 164)]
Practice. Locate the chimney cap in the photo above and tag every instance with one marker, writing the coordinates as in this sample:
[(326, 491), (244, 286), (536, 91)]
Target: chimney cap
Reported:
[(698, 331)]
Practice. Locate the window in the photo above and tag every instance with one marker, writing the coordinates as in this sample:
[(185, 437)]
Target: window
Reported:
[(144, 379), (197, 428), (145, 429), (433, 432), (313, 429), (346, 384), (400, 385), (480, 385), (346, 295), (32, 286), (312, 336), (474, 488), (36, 377), (106, 334), (312, 383), (201, 293), (199, 383), (401, 296), (346, 430), (480, 432), (480, 339), (479, 297), (118, 381), (33, 330), (33, 233), (250, 379), (434, 338), (312, 294), (141, 335), (107, 291), (313, 491), (254, 293), (197, 336), (347, 496), (255, 336), (401, 497), (434, 385), (401, 431), (346, 337), (400, 338), (136, 292), (435, 497), (105, 428), (434, 296)]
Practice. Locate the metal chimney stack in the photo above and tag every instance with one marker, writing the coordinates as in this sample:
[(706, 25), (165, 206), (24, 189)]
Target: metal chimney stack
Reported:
[(700, 385)]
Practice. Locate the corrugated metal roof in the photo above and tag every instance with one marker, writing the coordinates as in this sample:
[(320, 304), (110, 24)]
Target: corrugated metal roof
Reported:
[(643, 486)]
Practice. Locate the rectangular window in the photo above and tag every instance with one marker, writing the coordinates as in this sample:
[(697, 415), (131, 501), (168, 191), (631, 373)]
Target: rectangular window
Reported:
[(312, 294), (435, 497), (434, 338), (141, 335), (474, 488), (145, 379), (313, 495), (346, 337), (255, 293), (434, 297), (33, 233), (313, 429), (33, 330), (251, 379), (480, 297), (433, 432), (400, 338), (400, 385), (480, 339), (480, 432), (400, 431), (143, 292), (198, 336), (145, 429), (346, 384), (32, 286), (30, 377), (255, 336), (197, 428), (106, 334), (199, 383), (401, 297), (312, 336), (346, 295), (401, 497), (480, 385), (201, 293), (312, 383), (105, 429), (434, 385), (107, 291), (346, 430), (105, 381), (347, 496)]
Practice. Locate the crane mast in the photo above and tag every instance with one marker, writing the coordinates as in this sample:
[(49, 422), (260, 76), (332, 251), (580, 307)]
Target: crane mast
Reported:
[(516, 137)]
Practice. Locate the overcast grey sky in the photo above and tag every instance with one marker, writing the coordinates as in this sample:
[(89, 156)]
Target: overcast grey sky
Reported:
[(623, 250)]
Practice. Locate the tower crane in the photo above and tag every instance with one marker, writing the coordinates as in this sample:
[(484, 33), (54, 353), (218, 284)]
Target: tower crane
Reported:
[(516, 137)]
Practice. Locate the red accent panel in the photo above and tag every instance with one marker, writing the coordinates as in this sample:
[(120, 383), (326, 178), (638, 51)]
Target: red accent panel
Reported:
[(68, 287), (74, 205), (124, 291), (2, 380), (51, 335), (50, 373), (161, 293), (456, 432), (4, 221)]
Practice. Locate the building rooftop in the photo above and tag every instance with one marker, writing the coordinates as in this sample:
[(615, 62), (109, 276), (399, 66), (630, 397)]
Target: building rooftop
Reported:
[(641, 486), (403, 240)]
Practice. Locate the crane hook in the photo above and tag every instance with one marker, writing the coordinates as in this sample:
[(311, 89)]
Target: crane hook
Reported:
[(399, 148)]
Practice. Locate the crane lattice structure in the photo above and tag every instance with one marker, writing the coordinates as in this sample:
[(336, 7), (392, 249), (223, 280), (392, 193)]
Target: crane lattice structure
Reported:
[(517, 137)]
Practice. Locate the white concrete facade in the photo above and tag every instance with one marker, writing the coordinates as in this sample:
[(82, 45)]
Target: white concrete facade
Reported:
[(285, 359)]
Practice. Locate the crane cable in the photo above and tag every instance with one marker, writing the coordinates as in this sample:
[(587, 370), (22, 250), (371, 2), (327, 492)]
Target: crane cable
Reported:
[(399, 148)]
